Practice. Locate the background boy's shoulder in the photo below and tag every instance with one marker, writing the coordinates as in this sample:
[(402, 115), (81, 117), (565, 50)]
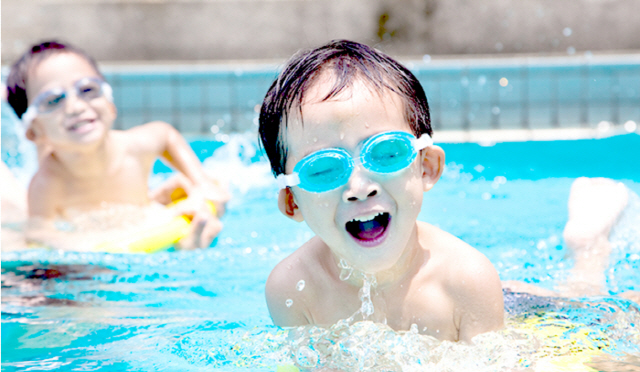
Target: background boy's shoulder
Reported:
[(44, 190), (145, 138)]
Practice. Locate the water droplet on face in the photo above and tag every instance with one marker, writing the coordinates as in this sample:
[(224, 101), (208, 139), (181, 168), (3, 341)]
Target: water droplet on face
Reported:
[(288, 302), (300, 285), (341, 136), (315, 139)]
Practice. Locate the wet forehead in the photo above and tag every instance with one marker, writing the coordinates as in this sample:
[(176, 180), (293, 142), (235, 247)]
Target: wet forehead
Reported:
[(344, 120)]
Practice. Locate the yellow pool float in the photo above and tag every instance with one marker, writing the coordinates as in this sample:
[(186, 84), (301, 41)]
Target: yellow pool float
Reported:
[(565, 346), (154, 239)]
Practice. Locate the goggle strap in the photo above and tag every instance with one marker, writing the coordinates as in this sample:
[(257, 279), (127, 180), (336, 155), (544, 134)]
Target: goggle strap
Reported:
[(107, 92), (423, 142), (287, 180), (28, 116)]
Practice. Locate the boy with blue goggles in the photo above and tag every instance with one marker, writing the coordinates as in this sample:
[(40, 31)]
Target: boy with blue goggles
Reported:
[(370, 258), (328, 169)]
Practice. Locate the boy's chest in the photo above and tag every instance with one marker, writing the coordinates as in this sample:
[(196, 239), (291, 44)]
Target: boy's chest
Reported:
[(428, 307), (126, 184)]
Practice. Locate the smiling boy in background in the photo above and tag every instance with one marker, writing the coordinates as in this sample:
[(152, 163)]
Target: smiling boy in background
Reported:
[(67, 109), (347, 131)]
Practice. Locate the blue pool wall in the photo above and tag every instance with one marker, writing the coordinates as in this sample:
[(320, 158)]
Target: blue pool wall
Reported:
[(463, 94), (479, 94)]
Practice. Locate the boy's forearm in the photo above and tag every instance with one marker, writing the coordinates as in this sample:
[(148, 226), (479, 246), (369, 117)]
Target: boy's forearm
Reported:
[(181, 156)]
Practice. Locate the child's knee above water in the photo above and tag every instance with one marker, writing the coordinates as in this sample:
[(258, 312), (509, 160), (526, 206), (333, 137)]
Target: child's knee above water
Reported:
[(68, 112), (347, 132)]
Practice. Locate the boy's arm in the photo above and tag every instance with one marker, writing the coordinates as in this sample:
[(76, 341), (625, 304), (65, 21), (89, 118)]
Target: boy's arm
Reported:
[(164, 140), (479, 300)]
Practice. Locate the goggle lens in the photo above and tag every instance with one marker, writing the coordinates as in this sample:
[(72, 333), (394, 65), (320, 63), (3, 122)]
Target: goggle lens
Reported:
[(328, 169), (86, 89), (388, 153), (324, 170)]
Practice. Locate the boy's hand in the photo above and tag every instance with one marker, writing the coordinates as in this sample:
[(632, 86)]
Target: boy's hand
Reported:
[(179, 186), (205, 225)]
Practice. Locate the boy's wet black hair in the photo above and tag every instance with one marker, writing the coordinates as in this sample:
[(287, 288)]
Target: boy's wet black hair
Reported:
[(346, 61), (19, 73)]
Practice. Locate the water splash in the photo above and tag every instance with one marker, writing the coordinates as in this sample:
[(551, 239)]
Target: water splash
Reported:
[(345, 270), (369, 283), (366, 309), (300, 285), (238, 164), (541, 334), (625, 241)]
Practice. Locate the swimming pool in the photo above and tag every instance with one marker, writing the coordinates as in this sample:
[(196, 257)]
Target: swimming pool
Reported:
[(205, 310)]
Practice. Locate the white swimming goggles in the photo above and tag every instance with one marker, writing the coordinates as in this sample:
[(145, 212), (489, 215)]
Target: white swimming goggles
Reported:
[(86, 89), (328, 169)]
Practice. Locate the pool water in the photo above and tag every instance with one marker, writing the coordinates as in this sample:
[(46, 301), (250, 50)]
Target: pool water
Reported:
[(205, 310)]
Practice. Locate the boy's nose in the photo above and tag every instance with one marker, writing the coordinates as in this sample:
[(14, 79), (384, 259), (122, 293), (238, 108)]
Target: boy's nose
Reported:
[(74, 104), (359, 186)]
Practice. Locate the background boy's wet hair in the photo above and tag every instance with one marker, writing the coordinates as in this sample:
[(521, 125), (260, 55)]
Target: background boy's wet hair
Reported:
[(19, 74), (346, 61)]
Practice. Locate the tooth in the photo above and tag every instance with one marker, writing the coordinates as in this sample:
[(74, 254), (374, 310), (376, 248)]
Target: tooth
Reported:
[(367, 217)]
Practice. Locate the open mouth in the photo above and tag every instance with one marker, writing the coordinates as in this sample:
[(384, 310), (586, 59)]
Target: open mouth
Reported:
[(369, 229), (80, 126)]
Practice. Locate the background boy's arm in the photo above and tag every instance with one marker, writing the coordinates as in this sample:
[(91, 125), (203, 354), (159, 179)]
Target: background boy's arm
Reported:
[(164, 140), (478, 295)]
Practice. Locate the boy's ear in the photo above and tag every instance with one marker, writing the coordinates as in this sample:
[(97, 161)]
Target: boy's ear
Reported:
[(288, 206), (30, 134), (34, 133), (432, 166)]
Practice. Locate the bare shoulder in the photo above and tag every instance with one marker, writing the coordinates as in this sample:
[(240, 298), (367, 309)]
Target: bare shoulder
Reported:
[(45, 188), (148, 137), (288, 304), (470, 280), (457, 256)]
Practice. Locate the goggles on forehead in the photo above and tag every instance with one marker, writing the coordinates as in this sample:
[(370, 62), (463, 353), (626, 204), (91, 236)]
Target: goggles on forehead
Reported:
[(86, 89), (328, 169)]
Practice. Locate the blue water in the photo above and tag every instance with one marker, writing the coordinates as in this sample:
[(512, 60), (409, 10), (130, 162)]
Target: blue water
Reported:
[(205, 309)]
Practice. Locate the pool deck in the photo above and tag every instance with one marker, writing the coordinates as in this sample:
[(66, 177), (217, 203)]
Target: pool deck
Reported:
[(492, 136)]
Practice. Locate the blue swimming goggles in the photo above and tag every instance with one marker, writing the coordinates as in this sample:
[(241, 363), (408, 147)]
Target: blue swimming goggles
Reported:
[(328, 169), (86, 89)]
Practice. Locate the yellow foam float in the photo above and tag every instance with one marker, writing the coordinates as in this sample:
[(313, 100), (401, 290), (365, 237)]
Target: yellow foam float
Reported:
[(566, 346), (154, 239)]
